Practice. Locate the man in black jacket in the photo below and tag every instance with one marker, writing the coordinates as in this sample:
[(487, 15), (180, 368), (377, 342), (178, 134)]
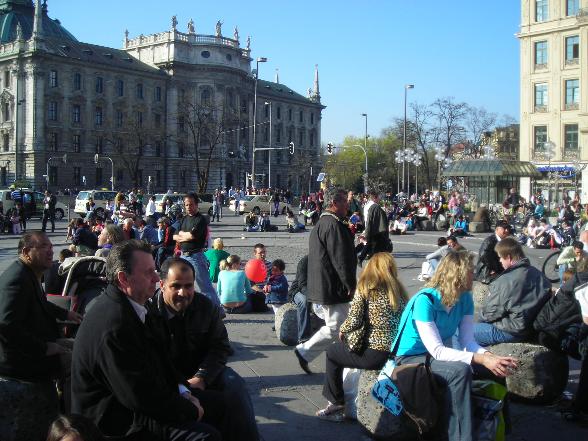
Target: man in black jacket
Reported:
[(297, 294), (30, 345), (49, 203), (376, 226), (489, 266), (121, 377), (191, 327), (331, 274)]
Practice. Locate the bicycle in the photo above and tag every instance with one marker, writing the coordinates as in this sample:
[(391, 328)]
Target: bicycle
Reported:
[(550, 267)]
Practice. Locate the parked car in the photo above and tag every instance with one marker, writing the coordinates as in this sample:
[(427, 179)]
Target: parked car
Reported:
[(205, 205), (33, 203), (100, 197), (257, 204)]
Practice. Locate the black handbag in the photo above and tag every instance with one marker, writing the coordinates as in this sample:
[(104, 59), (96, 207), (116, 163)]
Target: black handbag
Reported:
[(356, 339)]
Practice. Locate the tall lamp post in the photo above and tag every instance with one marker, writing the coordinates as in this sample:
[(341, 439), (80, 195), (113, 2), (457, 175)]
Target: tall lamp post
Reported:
[(259, 60), (97, 159), (417, 161), (399, 158), (269, 152), (549, 153), (406, 87), (408, 157), (366, 135)]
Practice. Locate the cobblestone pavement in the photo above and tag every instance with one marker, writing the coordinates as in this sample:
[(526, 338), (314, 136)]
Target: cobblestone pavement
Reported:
[(285, 399)]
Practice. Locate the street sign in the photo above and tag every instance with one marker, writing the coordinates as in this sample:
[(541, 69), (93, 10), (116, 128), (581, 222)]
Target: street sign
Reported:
[(321, 177)]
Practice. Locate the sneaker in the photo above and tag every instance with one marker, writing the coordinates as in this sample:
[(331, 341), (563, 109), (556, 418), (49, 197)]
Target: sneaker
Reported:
[(302, 361), (333, 412)]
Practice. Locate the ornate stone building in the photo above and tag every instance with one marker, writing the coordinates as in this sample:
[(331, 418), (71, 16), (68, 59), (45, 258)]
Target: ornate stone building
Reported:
[(554, 94), (171, 110)]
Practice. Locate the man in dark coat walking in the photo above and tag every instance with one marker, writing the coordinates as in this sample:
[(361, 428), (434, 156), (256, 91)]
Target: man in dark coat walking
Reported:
[(121, 377), (331, 274), (49, 203), (376, 227)]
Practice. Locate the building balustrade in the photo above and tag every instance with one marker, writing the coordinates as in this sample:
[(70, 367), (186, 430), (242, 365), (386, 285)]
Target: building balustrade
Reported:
[(160, 37), (541, 109), (571, 154), (571, 106)]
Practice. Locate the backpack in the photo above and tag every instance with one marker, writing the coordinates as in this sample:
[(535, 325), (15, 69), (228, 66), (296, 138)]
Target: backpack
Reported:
[(559, 313)]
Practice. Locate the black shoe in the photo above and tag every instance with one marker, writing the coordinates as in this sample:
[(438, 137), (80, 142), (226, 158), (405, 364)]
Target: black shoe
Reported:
[(302, 361)]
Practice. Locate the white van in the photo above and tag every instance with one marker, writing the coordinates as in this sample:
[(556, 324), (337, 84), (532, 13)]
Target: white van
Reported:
[(100, 197)]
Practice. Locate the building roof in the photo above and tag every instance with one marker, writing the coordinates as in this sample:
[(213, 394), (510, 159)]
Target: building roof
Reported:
[(491, 167), (281, 91), (14, 12), (96, 55)]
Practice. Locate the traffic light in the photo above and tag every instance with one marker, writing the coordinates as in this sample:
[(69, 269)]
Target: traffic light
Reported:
[(330, 148), (291, 148)]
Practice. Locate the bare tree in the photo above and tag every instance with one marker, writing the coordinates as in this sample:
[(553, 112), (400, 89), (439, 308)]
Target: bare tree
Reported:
[(208, 127), (479, 124), (450, 118), (130, 145)]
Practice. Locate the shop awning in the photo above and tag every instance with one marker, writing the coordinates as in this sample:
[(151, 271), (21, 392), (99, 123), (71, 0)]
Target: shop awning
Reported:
[(491, 167)]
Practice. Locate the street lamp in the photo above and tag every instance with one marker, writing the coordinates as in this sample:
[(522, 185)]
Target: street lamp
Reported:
[(97, 158), (259, 60), (366, 135), (63, 158), (549, 153), (399, 158), (365, 182), (417, 161), (408, 157), (269, 152), (406, 87)]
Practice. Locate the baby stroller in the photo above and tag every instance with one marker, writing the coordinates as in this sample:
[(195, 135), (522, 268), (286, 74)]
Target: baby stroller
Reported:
[(85, 280)]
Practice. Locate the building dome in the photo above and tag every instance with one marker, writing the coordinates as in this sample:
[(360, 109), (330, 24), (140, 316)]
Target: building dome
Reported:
[(13, 12)]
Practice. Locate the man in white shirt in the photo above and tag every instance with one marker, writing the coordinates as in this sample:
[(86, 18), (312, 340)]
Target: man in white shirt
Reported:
[(150, 209)]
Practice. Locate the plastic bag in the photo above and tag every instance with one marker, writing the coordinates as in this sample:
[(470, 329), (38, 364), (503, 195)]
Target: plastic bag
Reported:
[(350, 388)]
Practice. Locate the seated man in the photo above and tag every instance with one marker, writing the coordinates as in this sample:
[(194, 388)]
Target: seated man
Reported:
[(297, 294), (30, 345), (432, 260), (453, 244), (514, 300), (460, 228), (86, 242), (488, 266), (122, 378), (192, 328)]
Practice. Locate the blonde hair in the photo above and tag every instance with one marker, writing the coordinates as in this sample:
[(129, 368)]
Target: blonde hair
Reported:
[(223, 265), (452, 275), (218, 244), (231, 260), (381, 275)]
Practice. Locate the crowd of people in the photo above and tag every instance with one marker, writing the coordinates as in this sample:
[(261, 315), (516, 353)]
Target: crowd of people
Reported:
[(150, 352)]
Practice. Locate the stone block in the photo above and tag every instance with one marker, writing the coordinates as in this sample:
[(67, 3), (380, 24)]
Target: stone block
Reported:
[(428, 225), (373, 417), (479, 227), (26, 410), (542, 374), (479, 292), (286, 324)]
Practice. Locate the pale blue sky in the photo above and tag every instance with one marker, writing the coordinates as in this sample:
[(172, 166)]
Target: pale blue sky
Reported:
[(366, 50)]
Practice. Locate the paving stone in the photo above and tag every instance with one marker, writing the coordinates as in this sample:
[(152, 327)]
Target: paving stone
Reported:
[(542, 374), (373, 417), (286, 324), (479, 292)]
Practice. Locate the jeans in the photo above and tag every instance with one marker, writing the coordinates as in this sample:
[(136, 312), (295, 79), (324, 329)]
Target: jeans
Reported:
[(455, 378), (48, 215), (240, 415), (202, 283), (339, 357), (303, 316), (487, 334), (335, 315), (245, 308)]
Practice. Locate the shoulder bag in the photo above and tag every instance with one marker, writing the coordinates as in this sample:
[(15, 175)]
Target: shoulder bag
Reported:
[(356, 339), (410, 388)]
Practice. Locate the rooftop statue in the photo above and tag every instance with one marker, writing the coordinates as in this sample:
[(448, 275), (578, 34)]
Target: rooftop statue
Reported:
[(191, 28), (174, 22), (219, 28), (236, 34), (249, 42)]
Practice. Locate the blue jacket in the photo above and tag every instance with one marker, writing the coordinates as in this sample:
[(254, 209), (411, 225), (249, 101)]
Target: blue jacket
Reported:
[(279, 292)]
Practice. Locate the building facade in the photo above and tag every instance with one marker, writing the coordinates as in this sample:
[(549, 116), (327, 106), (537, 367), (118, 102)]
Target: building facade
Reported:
[(168, 110), (554, 95)]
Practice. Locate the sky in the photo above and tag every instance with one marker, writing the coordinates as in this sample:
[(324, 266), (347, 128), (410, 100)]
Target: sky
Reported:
[(366, 51)]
